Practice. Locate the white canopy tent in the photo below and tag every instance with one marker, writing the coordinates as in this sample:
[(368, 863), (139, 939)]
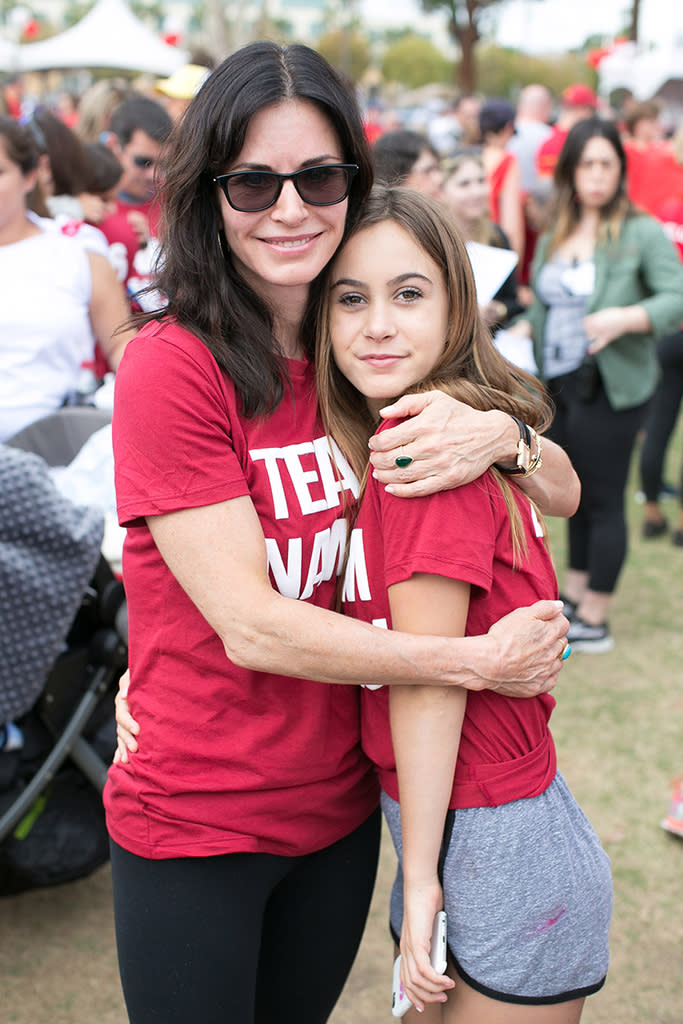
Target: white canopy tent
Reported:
[(644, 74), (9, 56), (109, 36)]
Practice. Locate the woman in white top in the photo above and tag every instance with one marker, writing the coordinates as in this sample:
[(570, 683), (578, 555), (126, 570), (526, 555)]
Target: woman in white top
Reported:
[(57, 298)]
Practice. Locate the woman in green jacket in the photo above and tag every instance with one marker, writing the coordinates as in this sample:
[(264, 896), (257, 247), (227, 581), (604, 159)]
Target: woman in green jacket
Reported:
[(607, 282)]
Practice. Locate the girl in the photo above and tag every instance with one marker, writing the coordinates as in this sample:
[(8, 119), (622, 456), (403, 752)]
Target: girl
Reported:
[(466, 196), (244, 830), (483, 823)]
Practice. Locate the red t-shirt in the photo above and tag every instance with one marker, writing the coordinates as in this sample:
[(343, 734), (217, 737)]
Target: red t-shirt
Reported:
[(549, 151), (124, 242), (506, 750), (230, 759)]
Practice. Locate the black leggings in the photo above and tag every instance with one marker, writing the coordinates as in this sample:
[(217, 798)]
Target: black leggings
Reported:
[(662, 415), (599, 441), (242, 937)]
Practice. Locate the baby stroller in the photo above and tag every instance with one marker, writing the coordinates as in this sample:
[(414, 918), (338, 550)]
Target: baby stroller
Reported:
[(63, 647)]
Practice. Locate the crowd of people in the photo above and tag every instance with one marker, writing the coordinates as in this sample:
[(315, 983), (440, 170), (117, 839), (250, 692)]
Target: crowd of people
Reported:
[(333, 481)]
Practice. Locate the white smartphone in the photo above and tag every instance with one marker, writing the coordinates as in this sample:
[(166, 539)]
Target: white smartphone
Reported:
[(438, 958)]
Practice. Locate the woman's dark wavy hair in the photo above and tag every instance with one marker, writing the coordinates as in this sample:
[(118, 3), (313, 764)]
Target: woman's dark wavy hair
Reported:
[(566, 210), (205, 293)]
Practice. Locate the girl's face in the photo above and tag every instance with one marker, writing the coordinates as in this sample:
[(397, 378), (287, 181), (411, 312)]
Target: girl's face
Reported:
[(389, 312), (14, 187), (466, 192), (288, 244), (597, 174)]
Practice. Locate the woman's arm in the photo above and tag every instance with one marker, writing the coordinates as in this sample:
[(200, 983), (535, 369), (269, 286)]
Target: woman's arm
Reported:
[(218, 555), (452, 444), (108, 309), (425, 730)]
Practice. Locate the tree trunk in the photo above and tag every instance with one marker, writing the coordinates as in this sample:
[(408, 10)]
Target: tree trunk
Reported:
[(635, 19)]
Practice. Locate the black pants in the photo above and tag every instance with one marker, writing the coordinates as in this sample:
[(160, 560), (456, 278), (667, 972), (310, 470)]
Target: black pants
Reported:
[(662, 415), (599, 441), (243, 937)]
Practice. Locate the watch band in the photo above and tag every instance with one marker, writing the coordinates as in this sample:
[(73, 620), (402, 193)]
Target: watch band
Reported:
[(524, 460)]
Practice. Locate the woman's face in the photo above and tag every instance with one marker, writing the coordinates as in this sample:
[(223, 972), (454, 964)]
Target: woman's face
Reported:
[(597, 174), (288, 244), (388, 312), (14, 187), (466, 192), (426, 175)]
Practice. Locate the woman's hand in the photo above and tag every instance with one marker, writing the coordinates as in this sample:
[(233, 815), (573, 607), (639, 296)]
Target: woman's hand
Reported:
[(421, 982), (529, 645), (608, 324), (126, 726), (449, 442)]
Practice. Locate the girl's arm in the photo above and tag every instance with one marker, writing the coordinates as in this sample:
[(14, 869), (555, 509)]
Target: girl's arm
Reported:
[(453, 444), (425, 730)]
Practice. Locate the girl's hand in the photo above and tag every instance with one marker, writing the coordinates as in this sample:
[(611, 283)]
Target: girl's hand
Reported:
[(449, 443), (126, 726), (420, 981)]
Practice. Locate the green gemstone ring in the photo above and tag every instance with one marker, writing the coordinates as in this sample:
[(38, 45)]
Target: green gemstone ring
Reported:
[(403, 460)]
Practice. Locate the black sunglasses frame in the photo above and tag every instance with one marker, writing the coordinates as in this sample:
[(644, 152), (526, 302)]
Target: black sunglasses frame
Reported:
[(223, 180)]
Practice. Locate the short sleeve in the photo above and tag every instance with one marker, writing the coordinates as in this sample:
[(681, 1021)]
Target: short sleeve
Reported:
[(173, 427)]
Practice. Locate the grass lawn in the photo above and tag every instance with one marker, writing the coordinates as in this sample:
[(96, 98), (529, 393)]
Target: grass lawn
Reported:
[(619, 732)]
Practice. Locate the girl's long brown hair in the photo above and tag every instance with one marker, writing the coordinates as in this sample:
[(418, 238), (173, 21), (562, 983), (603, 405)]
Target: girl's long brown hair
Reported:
[(470, 369)]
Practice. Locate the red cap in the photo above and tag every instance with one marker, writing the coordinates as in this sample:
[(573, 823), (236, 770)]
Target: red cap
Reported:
[(579, 95)]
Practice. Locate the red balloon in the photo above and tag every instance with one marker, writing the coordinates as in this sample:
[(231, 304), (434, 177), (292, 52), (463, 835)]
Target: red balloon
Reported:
[(171, 38)]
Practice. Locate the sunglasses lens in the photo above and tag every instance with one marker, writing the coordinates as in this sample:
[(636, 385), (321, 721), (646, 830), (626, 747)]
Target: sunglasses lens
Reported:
[(252, 191), (323, 186), (257, 190)]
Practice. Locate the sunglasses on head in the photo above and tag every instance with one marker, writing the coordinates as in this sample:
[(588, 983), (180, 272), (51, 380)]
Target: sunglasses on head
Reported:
[(144, 162), (253, 191)]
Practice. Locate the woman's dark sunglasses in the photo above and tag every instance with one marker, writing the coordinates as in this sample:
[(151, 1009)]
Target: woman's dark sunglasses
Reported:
[(253, 191)]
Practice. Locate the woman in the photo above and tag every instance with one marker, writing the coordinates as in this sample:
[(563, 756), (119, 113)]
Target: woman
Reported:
[(607, 282), (57, 299), (404, 157), (486, 826), (244, 830), (466, 195)]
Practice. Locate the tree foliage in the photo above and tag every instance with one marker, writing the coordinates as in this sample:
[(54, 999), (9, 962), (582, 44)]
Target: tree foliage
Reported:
[(348, 51), (414, 61)]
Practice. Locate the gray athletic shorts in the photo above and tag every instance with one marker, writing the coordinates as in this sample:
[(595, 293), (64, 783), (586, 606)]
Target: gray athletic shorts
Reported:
[(528, 893)]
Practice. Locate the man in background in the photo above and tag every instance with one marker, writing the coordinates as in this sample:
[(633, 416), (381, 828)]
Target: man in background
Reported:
[(577, 102), (138, 128)]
